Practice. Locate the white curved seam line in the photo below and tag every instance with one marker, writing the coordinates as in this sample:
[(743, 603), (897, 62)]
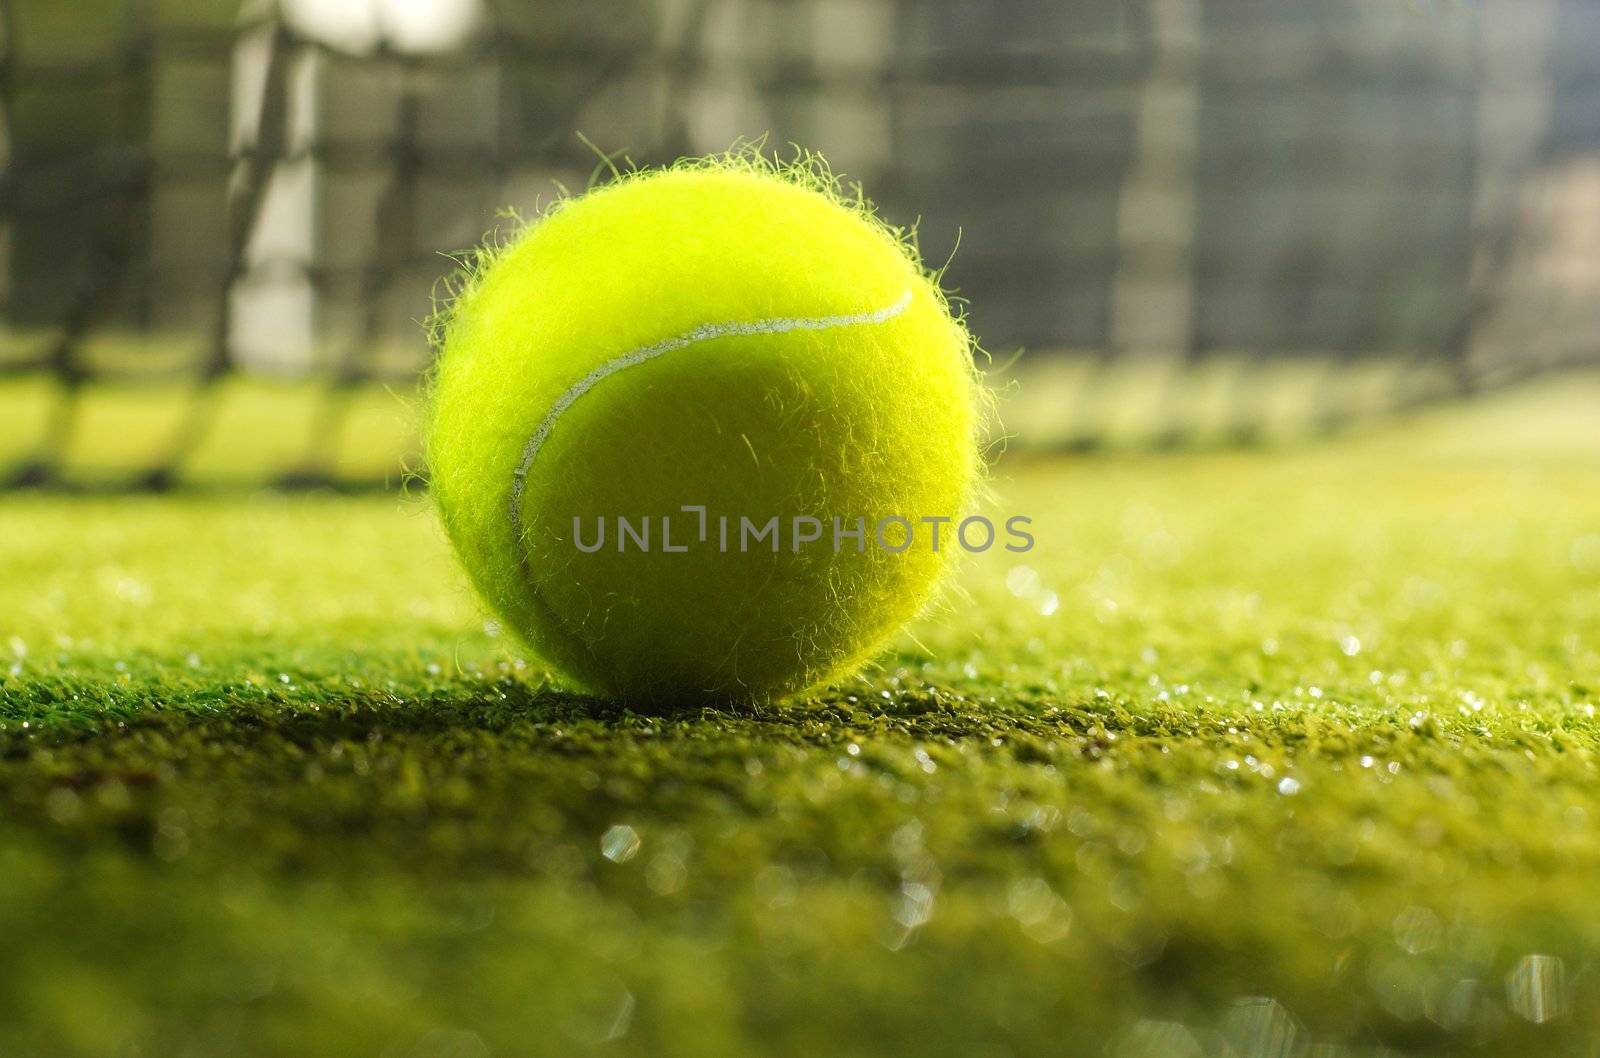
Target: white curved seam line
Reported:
[(704, 333)]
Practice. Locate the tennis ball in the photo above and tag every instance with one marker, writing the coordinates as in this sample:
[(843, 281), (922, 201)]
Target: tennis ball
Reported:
[(656, 410)]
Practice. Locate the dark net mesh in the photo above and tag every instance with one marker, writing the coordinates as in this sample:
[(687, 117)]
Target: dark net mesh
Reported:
[(1400, 200)]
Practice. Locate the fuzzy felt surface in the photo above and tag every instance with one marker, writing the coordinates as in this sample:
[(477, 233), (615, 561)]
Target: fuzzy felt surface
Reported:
[(802, 365)]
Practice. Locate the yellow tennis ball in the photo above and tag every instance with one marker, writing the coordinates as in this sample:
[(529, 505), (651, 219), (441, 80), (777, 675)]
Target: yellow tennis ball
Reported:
[(688, 432)]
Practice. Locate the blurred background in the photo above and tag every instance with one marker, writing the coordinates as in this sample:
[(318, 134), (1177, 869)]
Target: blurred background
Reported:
[(222, 227)]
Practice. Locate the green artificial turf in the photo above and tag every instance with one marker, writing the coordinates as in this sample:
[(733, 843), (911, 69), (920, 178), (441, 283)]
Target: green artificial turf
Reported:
[(1260, 754)]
